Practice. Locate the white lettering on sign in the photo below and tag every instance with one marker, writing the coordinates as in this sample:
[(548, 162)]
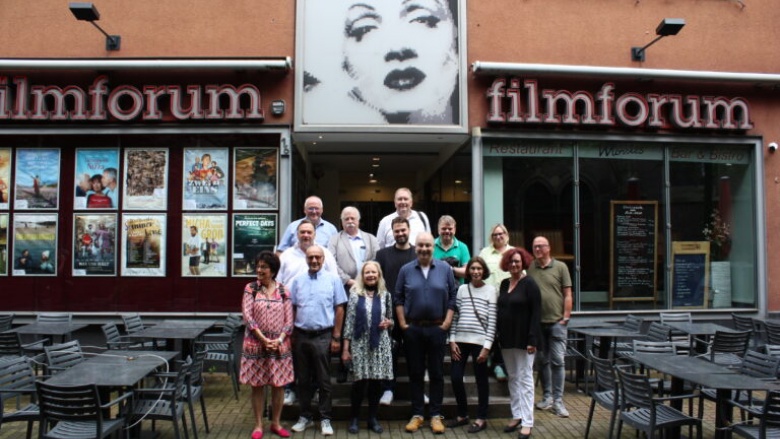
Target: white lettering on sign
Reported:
[(511, 104), (21, 101)]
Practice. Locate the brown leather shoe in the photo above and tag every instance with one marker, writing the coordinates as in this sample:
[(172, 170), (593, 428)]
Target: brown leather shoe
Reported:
[(437, 424), (415, 423)]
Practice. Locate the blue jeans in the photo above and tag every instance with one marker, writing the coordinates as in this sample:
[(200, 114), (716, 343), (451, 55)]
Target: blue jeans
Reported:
[(552, 366), (425, 347), (458, 369)]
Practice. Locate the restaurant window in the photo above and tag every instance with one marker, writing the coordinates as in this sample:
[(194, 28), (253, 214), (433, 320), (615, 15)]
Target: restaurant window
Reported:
[(632, 242)]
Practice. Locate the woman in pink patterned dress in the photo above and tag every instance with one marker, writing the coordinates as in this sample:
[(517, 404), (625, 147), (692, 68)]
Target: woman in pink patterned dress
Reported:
[(266, 359)]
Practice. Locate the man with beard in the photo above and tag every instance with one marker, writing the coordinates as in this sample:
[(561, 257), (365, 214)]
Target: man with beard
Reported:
[(418, 221), (391, 259), (424, 299)]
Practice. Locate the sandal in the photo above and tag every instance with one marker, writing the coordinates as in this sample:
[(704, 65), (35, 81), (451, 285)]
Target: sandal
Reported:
[(458, 422), (476, 426)]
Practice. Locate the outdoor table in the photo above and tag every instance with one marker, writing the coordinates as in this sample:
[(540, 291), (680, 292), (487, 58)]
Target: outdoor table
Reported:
[(707, 374), (63, 330), (185, 334), (205, 324), (606, 336), (113, 369), (698, 329)]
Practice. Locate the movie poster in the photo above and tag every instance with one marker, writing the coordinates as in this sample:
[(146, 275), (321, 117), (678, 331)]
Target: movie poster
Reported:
[(143, 244), (37, 178), (35, 244), (4, 244), (254, 171), (94, 244), (252, 233), (97, 179), (204, 245), (5, 178), (146, 179), (205, 179)]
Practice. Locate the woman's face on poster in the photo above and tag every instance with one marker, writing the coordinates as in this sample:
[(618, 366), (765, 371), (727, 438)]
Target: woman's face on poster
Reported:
[(402, 54)]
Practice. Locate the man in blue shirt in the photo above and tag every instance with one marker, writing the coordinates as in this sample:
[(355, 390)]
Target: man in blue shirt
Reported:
[(312, 208), (425, 303), (318, 299)]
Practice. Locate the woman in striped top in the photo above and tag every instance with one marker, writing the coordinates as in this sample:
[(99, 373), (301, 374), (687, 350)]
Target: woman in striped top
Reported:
[(471, 335)]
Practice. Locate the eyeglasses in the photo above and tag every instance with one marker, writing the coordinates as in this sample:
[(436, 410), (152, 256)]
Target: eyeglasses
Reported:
[(513, 262), (313, 209), (496, 235), (541, 246)]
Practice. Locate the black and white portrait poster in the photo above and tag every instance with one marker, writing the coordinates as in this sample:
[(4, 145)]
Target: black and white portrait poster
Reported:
[(146, 179), (396, 64), (143, 244), (94, 244), (254, 171), (205, 179)]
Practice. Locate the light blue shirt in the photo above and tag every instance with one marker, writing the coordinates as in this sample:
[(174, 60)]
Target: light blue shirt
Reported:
[(322, 234), (315, 297), (358, 250), (112, 194)]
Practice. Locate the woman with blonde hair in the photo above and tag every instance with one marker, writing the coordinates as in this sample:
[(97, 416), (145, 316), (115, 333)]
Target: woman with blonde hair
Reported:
[(367, 342)]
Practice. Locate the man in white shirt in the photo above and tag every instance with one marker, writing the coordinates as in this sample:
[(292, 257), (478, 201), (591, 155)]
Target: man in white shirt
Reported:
[(418, 221), (313, 210), (293, 260)]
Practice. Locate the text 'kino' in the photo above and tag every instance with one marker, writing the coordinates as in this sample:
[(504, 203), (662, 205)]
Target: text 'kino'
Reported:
[(513, 104), (21, 101)]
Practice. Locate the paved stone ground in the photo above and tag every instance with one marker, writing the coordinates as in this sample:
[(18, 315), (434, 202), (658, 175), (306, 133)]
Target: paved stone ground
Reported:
[(230, 419)]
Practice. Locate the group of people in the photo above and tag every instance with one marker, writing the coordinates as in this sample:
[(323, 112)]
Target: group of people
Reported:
[(362, 298)]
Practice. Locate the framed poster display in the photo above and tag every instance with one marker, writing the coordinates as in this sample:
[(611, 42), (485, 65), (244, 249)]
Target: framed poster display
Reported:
[(255, 179), (4, 244), (37, 179), (5, 178), (97, 178), (204, 247), (690, 274), (633, 252), (252, 233), (205, 180), (35, 244), (143, 244), (94, 244), (146, 179)]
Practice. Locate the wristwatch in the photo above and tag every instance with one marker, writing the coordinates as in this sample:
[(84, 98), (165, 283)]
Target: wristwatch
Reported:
[(565, 321)]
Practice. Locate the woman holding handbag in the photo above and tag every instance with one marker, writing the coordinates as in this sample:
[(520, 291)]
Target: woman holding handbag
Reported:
[(471, 335), (266, 359)]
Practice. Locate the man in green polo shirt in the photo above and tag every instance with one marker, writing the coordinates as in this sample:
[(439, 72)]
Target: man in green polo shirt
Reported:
[(447, 247)]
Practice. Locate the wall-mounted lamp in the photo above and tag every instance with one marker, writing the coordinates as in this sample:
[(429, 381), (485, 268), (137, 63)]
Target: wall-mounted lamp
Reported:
[(667, 27), (88, 12), (277, 107), (772, 147)]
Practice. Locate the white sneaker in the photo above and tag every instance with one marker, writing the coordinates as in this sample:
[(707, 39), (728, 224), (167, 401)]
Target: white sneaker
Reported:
[(560, 410), (426, 399), (387, 398), (289, 397), (325, 428), (304, 423)]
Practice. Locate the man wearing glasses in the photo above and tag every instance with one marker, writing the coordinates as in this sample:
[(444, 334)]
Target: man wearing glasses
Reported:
[(554, 282), (313, 210)]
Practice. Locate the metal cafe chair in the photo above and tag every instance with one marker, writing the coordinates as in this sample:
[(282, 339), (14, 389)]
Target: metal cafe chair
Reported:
[(115, 340), (133, 323), (6, 321), (642, 410), (767, 417), (727, 348), (221, 348), (605, 392), (63, 356), (17, 378), (164, 403), (76, 412)]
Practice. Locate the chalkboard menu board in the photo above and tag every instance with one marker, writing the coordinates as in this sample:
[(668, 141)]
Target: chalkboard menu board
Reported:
[(690, 274), (634, 231)]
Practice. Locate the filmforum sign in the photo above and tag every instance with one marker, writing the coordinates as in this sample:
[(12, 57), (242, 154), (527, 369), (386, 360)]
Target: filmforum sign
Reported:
[(512, 104), (21, 101)]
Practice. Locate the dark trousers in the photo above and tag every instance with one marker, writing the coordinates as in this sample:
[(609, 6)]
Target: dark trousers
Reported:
[(425, 349), (458, 369), (312, 355), (356, 397)]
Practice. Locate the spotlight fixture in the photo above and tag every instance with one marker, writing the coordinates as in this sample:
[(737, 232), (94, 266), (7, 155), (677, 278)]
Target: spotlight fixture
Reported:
[(88, 12), (667, 27)]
